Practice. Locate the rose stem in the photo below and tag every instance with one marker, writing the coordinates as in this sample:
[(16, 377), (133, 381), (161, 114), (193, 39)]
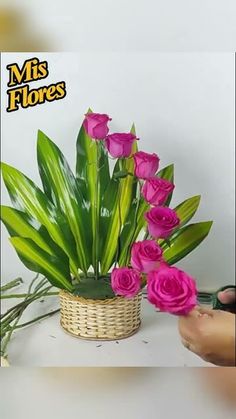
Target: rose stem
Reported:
[(24, 295), (121, 167), (51, 313), (12, 315), (97, 212), (11, 284), (136, 220), (8, 337)]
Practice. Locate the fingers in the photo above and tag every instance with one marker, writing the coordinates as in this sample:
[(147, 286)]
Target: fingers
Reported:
[(192, 314), (190, 325), (205, 312), (188, 345), (227, 296), (199, 311)]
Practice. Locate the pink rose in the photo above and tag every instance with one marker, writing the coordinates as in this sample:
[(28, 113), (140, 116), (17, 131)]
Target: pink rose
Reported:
[(125, 282), (172, 290), (161, 222), (146, 256), (146, 165), (95, 124), (120, 145), (156, 190)]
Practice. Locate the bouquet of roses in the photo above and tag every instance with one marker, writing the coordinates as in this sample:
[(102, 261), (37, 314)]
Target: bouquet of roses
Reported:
[(105, 231)]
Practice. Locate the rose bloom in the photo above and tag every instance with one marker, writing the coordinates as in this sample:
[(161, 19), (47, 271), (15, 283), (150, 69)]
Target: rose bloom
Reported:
[(95, 124), (146, 255), (172, 290), (146, 165), (125, 281), (161, 222), (156, 190), (120, 144)]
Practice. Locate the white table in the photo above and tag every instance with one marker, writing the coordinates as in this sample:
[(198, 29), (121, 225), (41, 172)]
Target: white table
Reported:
[(45, 344)]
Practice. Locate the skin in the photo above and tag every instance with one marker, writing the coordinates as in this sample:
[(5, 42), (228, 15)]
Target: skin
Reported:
[(211, 333)]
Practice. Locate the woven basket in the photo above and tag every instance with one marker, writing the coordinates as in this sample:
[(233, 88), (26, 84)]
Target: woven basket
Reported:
[(110, 319)]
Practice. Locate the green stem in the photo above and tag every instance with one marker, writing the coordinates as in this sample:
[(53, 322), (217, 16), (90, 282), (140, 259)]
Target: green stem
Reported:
[(6, 320), (97, 212), (24, 295), (121, 164), (35, 295), (13, 312), (11, 284), (135, 223), (17, 318), (146, 236), (7, 339), (51, 313)]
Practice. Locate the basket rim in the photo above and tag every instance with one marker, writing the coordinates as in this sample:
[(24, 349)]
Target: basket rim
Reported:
[(72, 297)]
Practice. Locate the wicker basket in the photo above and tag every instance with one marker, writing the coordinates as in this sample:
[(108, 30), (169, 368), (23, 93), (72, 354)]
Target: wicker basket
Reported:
[(110, 319)]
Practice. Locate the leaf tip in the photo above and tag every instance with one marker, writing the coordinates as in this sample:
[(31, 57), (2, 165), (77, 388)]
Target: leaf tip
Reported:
[(133, 129)]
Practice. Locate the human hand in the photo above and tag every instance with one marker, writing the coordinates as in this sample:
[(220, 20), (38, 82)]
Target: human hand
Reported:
[(210, 334), (228, 296)]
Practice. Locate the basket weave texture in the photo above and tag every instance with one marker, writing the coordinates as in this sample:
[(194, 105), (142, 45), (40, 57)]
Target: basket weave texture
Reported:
[(110, 319)]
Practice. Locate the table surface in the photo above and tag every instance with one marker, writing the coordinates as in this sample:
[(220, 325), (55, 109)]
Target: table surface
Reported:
[(45, 344)]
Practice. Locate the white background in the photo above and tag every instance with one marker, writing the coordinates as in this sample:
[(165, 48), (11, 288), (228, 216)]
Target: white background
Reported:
[(140, 25), (183, 107)]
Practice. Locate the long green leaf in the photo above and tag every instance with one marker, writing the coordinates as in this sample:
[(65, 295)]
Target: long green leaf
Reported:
[(91, 170), (168, 174), (53, 268), (128, 185), (185, 240), (60, 183), (109, 225), (21, 224), (26, 196), (116, 205), (187, 209), (127, 234)]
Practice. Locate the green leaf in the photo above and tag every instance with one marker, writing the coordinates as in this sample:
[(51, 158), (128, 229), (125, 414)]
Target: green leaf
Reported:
[(26, 196), (187, 209), (127, 236), (96, 289), (120, 174), (21, 224), (116, 205), (54, 268), (87, 177), (185, 240), (60, 185), (168, 174), (109, 225), (129, 184)]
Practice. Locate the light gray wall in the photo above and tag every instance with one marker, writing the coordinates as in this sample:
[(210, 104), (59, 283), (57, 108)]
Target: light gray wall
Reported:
[(183, 107), (140, 25)]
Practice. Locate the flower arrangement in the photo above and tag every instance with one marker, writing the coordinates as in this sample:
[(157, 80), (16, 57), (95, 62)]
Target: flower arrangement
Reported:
[(104, 233)]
